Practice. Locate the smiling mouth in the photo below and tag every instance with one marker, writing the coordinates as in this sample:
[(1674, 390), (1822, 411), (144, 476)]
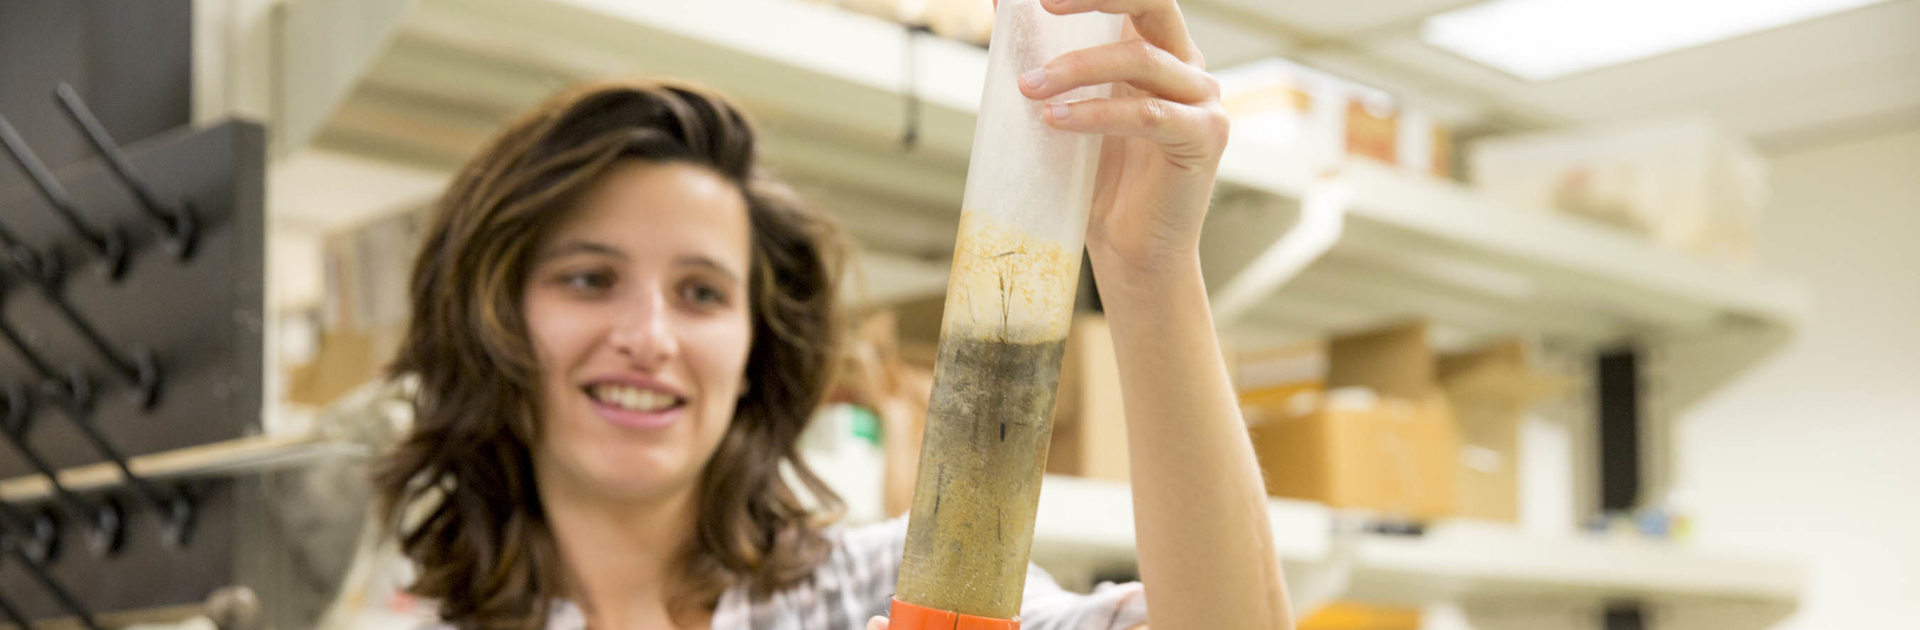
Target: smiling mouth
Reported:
[(633, 398)]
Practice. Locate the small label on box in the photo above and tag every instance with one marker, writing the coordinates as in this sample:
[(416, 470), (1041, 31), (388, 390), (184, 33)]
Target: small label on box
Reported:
[(1482, 459)]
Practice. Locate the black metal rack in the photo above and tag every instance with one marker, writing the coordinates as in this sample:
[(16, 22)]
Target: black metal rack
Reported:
[(131, 308)]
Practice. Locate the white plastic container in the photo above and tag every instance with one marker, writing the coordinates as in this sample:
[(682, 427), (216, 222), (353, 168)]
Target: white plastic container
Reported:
[(1681, 182), (1283, 106), (1320, 121)]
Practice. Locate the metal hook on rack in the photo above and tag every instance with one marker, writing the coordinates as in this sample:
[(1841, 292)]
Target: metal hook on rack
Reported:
[(178, 222), (43, 268), (13, 615), (46, 580), (110, 244), (73, 389), (139, 366), (175, 508), (43, 527), (106, 522)]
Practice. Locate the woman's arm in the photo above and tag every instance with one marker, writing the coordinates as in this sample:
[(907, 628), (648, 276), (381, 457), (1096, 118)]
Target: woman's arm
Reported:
[(1206, 551)]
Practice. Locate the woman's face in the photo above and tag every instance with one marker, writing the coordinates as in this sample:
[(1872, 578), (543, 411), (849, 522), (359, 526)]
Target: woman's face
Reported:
[(638, 310)]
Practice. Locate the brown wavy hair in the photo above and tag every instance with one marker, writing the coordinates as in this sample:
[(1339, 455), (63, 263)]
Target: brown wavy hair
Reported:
[(459, 489)]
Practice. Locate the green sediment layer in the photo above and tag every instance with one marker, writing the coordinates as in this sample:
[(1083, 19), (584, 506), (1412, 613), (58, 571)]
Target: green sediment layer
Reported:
[(988, 428)]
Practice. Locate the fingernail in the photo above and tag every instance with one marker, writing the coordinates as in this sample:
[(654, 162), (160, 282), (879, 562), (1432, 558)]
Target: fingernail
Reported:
[(1034, 79), (1058, 110)]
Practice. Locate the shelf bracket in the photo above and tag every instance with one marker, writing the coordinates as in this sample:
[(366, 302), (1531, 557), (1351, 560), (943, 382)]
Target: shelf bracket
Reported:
[(1323, 213), (1324, 581)]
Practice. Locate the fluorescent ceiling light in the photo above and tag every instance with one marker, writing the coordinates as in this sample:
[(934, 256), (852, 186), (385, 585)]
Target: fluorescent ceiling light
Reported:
[(1546, 39)]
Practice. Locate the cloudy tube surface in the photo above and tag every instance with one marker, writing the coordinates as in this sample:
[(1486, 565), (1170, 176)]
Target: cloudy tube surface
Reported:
[(1009, 305)]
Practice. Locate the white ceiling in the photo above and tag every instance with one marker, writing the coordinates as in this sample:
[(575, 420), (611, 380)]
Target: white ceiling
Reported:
[(1848, 73)]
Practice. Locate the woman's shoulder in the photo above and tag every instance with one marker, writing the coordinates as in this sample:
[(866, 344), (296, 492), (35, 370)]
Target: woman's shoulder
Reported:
[(864, 557), (852, 583), (861, 540)]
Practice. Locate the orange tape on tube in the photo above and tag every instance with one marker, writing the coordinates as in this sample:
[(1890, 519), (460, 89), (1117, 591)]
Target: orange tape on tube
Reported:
[(905, 616)]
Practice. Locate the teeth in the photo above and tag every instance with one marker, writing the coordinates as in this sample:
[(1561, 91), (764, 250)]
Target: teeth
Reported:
[(633, 398)]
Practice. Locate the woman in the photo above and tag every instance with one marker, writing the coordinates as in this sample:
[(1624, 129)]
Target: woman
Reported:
[(622, 325)]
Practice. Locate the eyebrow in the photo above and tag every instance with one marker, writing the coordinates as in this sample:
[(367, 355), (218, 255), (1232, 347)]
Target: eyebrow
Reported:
[(578, 247), (591, 247), (709, 263)]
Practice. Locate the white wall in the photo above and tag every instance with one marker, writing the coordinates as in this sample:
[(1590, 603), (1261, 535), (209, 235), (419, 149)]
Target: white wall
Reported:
[(1816, 452)]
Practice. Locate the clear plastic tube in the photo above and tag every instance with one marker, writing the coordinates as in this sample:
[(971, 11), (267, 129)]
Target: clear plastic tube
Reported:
[(1016, 267)]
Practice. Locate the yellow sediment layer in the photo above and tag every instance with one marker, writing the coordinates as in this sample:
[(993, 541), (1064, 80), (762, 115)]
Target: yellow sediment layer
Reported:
[(1008, 285)]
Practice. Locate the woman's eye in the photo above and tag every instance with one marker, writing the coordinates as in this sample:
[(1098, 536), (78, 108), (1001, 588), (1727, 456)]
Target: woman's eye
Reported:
[(703, 294), (588, 281)]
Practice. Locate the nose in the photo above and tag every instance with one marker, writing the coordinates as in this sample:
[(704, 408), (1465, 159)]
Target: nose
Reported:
[(644, 333)]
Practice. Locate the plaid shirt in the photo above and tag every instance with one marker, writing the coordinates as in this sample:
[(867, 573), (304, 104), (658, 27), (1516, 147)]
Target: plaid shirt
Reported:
[(856, 583)]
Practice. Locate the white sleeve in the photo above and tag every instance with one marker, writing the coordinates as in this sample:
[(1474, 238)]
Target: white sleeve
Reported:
[(1046, 606), (872, 557)]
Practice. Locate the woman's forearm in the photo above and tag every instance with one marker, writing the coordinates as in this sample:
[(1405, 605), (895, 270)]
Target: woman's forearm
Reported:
[(1205, 547)]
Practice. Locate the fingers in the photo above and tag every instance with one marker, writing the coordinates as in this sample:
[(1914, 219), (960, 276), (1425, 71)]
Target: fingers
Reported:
[(1157, 21), (1184, 131), (877, 623), (1135, 62)]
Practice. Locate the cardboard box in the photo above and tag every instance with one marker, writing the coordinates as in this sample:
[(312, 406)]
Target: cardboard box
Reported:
[(1089, 423), (347, 359), (1362, 452), (1381, 438), (1090, 430), (1272, 382), (1372, 126), (1394, 362), (1490, 390)]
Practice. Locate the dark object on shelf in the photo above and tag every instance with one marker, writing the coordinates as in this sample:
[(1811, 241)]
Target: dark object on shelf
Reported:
[(910, 86), (1618, 392), (1631, 616), (1396, 527)]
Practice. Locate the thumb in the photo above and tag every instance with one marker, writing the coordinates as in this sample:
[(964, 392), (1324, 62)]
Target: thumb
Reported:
[(877, 623)]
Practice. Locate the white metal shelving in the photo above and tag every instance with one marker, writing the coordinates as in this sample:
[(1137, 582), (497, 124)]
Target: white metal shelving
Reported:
[(1085, 529), (422, 82), (833, 89)]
